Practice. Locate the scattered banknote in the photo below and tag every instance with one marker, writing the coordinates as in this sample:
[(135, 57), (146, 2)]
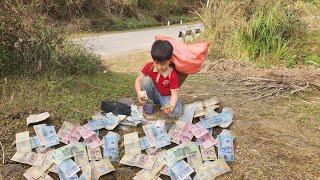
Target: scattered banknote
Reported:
[(136, 115), (23, 144), (68, 133), (35, 142), (44, 177), (157, 134), (131, 144), (194, 160), (68, 151), (38, 171), (223, 119), (93, 142), (212, 169), (100, 168), (63, 176), (199, 111), (38, 130), (144, 143), (109, 122), (208, 154), (153, 151), (146, 161), (86, 172), (110, 146), (180, 133), (30, 158), (182, 169), (81, 160), (210, 111), (43, 150), (85, 131), (94, 154), (68, 167), (147, 174), (188, 113), (37, 117), (171, 156), (225, 145), (174, 176), (203, 136), (210, 102), (50, 136)]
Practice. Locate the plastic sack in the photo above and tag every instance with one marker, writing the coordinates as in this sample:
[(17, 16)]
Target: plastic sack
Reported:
[(187, 58)]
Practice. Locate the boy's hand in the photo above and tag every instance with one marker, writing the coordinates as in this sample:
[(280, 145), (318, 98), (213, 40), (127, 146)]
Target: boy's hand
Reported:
[(142, 97), (167, 109)]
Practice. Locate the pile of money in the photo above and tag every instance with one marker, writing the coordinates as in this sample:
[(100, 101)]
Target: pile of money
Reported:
[(186, 158)]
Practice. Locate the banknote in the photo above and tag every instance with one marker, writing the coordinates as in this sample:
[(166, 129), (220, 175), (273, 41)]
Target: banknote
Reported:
[(85, 131), (30, 158), (37, 117), (180, 133), (63, 176), (157, 134), (182, 169), (86, 173), (131, 143), (146, 161), (193, 154), (153, 151), (223, 119), (188, 113), (225, 145), (37, 171), (68, 133), (144, 143), (208, 154), (199, 111), (211, 102), (81, 160), (210, 111), (100, 168), (78, 148), (94, 154), (44, 177), (147, 174), (173, 176), (35, 142), (38, 130), (93, 142), (212, 169), (63, 153), (43, 150), (197, 129), (171, 156), (23, 142), (50, 136), (206, 141), (68, 167), (109, 122), (110, 146)]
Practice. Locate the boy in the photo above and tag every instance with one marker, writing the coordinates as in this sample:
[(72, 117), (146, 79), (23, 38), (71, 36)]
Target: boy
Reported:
[(160, 80)]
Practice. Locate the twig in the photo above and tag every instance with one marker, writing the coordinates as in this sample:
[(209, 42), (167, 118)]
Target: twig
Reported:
[(3, 156), (260, 97)]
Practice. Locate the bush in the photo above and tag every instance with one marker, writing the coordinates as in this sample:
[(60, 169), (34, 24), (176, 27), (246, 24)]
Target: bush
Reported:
[(266, 32), (30, 46)]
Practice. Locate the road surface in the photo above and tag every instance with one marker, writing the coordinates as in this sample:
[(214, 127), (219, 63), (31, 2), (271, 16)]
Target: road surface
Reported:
[(115, 44)]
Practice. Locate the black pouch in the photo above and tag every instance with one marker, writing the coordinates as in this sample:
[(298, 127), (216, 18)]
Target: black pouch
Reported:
[(115, 107)]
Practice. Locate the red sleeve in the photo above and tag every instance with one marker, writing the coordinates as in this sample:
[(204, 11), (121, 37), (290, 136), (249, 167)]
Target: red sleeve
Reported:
[(174, 80), (146, 68)]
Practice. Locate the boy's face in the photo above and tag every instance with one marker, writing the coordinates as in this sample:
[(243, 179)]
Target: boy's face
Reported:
[(162, 66)]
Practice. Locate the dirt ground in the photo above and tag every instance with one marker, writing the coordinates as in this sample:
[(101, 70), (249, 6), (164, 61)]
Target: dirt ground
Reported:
[(275, 138)]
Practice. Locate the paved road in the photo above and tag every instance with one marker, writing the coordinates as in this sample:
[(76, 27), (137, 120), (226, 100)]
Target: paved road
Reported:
[(115, 44)]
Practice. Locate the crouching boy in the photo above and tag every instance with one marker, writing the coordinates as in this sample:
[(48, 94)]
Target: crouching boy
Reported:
[(160, 80)]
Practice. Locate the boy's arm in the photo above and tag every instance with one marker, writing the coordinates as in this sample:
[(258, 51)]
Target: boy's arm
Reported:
[(173, 100), (137, 87)]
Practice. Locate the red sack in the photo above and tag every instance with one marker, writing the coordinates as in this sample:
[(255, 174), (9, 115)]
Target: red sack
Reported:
[(187, 58)]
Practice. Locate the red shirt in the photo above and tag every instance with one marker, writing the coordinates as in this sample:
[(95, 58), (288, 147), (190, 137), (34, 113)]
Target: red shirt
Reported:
[(164, 82)]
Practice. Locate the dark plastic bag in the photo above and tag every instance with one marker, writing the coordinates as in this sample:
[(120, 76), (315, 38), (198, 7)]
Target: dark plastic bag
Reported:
[(115, 107)]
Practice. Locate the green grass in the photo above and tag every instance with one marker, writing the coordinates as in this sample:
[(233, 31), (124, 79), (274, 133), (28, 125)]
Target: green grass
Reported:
[(72, 98)]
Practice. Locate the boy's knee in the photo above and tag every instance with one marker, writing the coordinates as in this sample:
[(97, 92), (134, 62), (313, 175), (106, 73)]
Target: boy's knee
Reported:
[(146, 82)]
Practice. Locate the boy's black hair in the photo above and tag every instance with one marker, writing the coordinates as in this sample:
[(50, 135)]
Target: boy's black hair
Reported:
[(161, 51)]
